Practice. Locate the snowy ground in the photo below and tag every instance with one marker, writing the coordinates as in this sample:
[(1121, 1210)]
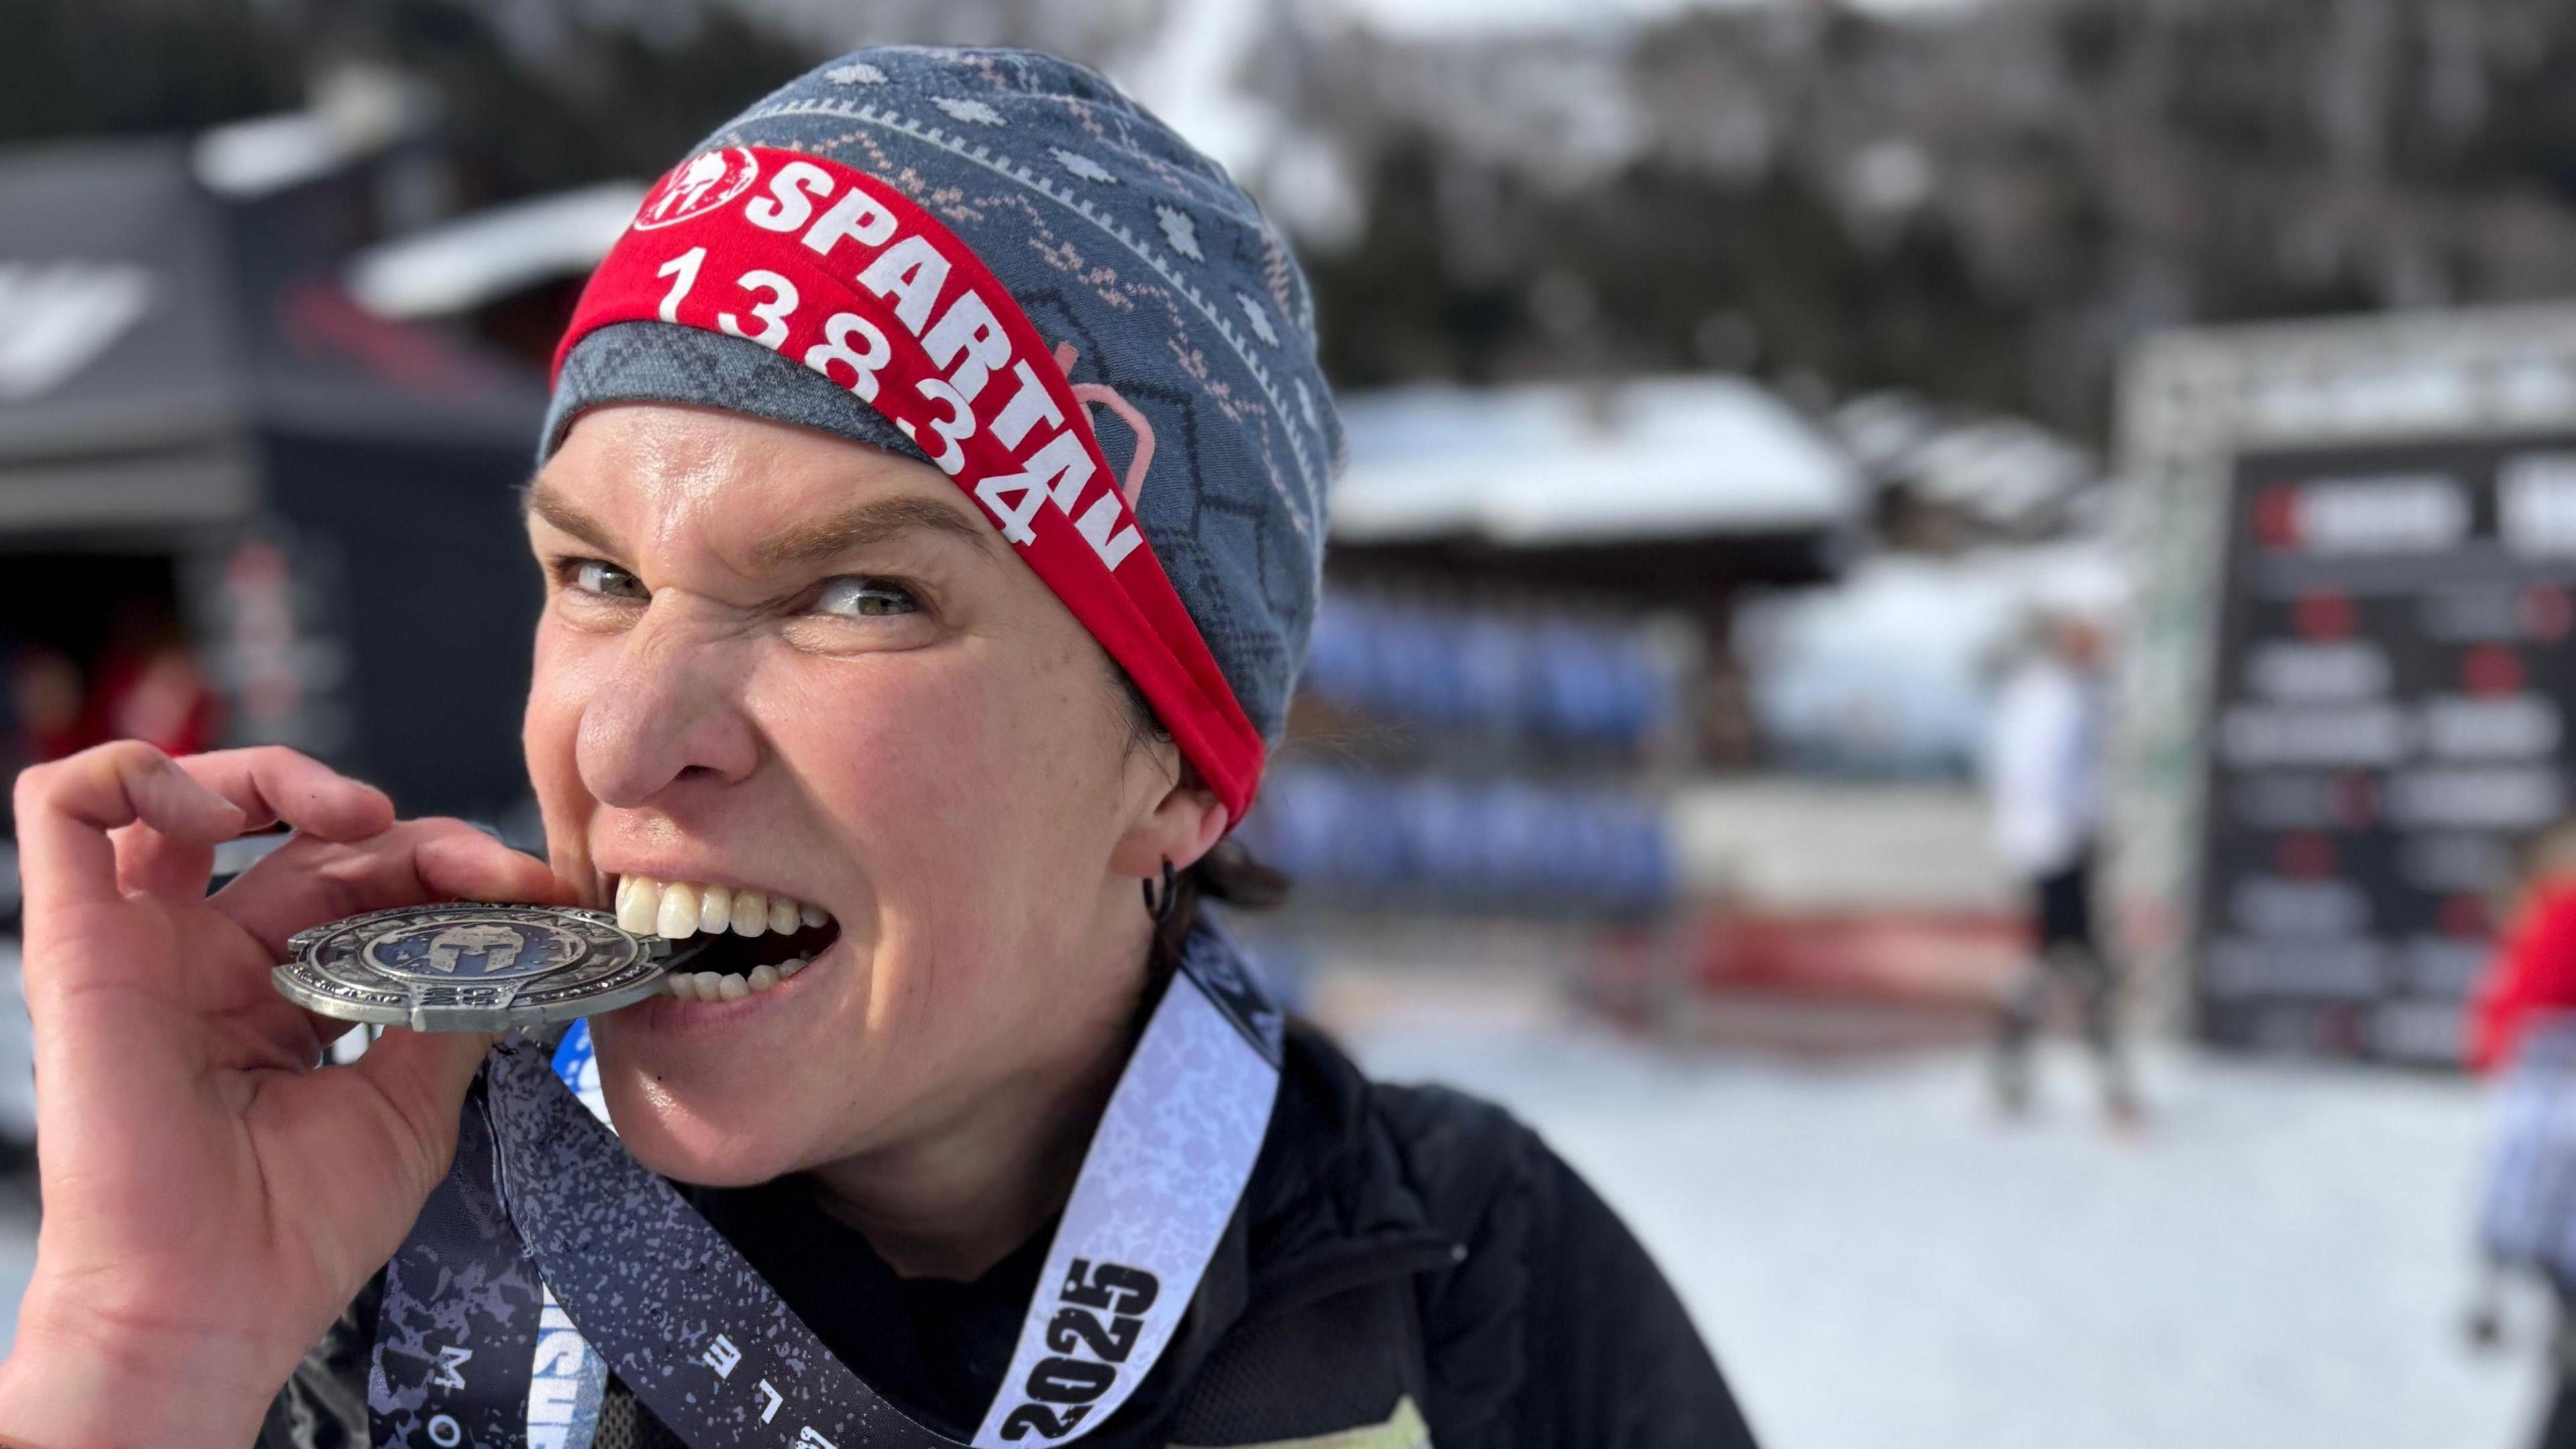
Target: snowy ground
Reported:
[(2280, 1261)]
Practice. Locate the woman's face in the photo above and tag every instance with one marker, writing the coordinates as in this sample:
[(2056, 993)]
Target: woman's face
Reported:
[(779, 663)]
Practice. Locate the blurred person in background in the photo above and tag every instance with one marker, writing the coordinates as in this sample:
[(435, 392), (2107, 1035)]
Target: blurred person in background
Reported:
[(47, 699), (855, 643), (2522, 1034), (149, 687), (2044, 775), (2532, 974)]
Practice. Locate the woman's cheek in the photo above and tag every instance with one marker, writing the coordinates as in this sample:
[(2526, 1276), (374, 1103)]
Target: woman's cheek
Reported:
[(550, 729), (911, 746), (960, 800)]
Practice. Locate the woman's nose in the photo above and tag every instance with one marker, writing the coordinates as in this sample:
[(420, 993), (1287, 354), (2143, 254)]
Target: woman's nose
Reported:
[(667, 711)]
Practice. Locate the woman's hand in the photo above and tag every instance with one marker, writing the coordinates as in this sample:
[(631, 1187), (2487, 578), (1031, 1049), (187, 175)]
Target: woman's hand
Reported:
[(212, 1197)]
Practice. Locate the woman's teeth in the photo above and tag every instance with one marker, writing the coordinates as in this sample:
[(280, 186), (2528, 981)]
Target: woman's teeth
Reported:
[(728, 986), (680, 909)]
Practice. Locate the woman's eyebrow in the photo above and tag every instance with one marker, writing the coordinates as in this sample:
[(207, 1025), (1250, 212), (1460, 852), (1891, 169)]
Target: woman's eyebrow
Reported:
[(814, 540), (559, 512), (803, 542)]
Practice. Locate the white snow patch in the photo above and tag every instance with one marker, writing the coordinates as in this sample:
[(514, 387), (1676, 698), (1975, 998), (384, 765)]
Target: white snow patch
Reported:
[(2282, 1258)]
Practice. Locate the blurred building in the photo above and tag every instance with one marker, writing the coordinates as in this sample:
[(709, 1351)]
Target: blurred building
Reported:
[(1672, 496), (1526, 601), (237, 506), (1672, 656)]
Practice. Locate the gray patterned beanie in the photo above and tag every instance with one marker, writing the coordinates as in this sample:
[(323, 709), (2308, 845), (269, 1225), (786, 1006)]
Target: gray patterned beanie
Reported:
[(1138, 262)]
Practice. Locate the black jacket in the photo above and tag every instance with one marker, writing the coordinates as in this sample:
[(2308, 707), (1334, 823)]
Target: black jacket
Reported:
[(1399, 1250)]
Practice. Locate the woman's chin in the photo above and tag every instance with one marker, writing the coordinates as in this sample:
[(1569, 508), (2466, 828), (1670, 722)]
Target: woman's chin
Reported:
[(697, 1148), (711, 1090), (704, 1115)]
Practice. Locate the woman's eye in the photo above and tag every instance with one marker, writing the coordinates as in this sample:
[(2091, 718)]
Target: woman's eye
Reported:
[(590, 576), (865, 598)]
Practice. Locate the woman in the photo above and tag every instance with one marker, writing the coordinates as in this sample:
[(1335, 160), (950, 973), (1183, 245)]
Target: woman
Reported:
[(859, 651), (2522, 1035)]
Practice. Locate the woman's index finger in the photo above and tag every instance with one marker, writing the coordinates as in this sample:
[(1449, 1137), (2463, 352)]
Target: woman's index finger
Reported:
[(309, 881), (271, 783), (67, 809)]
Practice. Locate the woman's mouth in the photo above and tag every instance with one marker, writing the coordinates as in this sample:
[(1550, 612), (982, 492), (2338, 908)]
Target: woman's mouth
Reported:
[(734, 943)]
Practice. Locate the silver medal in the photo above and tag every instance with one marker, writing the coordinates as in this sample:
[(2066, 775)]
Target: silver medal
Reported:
[(471, 967)]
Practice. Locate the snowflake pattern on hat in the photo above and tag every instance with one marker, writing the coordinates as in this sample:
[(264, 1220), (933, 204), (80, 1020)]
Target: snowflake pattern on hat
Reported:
[(1181, 232), (1260, 319), (1083, 166), (1117, 239), (973, 112)]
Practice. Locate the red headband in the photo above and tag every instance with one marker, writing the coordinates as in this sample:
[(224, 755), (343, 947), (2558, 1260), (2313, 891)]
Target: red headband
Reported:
[(836, 269)]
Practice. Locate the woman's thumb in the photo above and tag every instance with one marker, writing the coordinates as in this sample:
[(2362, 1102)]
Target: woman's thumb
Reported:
[(422, 1076)]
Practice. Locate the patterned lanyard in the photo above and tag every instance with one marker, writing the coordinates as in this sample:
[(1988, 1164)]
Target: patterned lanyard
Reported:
[(549, 1258)]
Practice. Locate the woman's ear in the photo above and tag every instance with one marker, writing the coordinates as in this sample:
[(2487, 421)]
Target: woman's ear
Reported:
[(1185, 823)]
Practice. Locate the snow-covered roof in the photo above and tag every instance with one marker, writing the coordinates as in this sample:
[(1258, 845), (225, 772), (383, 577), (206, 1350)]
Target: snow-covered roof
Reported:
[(1556, 463), (474, 259), (357, 111), (2003, 470)]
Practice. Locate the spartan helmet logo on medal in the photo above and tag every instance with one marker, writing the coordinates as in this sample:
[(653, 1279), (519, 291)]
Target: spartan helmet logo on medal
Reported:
[(466, 950), (499, 946), (697, 186)]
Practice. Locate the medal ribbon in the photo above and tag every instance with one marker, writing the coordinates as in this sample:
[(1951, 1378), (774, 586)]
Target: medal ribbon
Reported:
[(828, 265), (549, 1248)]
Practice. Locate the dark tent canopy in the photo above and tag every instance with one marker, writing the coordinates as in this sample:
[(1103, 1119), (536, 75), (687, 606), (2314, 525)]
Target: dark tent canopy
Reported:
[(186, 388)]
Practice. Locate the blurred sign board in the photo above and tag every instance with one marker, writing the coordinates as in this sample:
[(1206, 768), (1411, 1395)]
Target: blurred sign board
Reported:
[(2346, 697)]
